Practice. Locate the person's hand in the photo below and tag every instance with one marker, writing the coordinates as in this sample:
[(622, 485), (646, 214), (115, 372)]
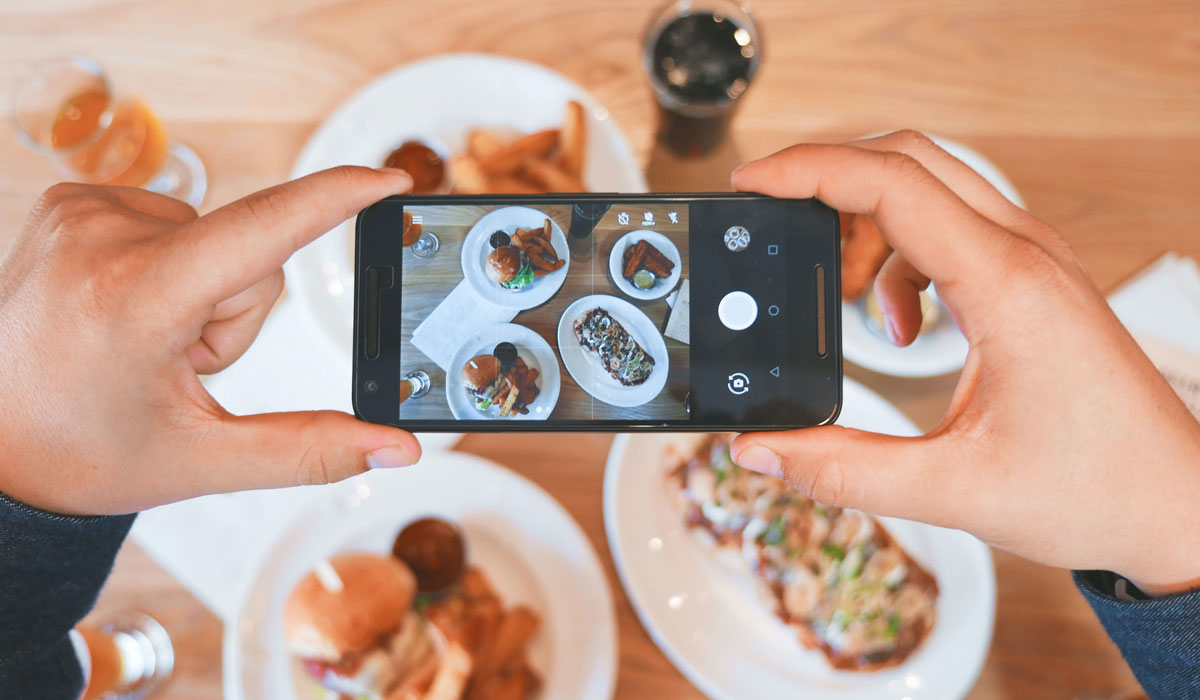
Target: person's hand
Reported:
[(113, 300), (1062, 442)]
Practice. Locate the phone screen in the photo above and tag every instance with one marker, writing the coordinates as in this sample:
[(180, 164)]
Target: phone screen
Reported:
[(661, 313)]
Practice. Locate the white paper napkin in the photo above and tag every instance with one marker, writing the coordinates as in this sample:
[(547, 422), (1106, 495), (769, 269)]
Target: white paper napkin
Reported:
[(459, 315), (213, 544)]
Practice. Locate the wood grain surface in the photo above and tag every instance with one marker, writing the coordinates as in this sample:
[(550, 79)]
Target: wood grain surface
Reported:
[(1091, 107)]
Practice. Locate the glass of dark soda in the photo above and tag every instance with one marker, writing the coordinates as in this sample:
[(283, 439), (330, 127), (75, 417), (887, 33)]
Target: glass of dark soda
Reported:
[(700, 57)]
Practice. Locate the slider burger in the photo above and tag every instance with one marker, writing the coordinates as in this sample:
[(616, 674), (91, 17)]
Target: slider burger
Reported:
[(479, 377), (510, 268), (352, 624)]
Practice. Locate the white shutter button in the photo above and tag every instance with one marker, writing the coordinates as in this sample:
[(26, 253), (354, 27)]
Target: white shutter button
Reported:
[(737, 311)]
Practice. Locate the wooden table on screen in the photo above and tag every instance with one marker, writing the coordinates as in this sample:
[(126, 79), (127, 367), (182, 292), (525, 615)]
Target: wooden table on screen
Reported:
[(429, 281), (1091, 107)]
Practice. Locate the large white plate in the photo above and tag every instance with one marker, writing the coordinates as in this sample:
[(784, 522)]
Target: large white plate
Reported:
[(530, 548), (585, 366), (616, 264), (942, 348), (476, 248), (708, 617), (444, 97), (531, 347)]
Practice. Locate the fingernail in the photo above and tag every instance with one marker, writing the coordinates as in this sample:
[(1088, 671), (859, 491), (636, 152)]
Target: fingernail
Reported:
[(889, 325), (394, 172), (389, 458), (760, 459)]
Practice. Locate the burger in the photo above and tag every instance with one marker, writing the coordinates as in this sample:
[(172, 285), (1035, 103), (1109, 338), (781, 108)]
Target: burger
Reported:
[(480, 378), (353, 626), (510, 268)]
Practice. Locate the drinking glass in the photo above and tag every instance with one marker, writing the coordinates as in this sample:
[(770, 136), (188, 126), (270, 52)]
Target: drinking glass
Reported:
[(66, 109), (414, 385), (700, 57), (126, 658)]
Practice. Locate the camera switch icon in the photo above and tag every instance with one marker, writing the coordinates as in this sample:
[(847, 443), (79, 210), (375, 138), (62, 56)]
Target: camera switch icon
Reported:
[(738, 384)]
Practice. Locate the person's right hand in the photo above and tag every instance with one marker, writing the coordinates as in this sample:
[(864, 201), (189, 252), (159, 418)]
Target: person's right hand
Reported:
[(1062, 442)]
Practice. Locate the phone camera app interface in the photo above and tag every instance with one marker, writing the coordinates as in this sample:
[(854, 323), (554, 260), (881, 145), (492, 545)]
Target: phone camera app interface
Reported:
[(559, 312)]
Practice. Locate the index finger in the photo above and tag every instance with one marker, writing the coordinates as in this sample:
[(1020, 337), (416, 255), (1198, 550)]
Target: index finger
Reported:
[(919, 216), (243, 242)]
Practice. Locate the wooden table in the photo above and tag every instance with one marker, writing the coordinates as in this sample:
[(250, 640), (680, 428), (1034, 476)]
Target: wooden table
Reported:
[(1092, 108)]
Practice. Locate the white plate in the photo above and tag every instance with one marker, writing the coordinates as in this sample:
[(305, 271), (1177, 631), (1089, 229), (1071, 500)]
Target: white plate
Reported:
[(531, 347), (530, 548), (708, 617), (443, 97), (476, 248), (616, 264), (941, 349), (585, 366)]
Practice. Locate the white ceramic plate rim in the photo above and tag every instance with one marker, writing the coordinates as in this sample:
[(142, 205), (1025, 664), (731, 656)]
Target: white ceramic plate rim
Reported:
[(943, 349), (530, 346), (476, 248), (658, 240), (318, 270), (592, 594), (584, 366), (889, 420)]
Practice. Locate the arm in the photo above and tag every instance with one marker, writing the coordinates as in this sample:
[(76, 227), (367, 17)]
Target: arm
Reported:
[(1062, 442), (113, 302), (51, 569)]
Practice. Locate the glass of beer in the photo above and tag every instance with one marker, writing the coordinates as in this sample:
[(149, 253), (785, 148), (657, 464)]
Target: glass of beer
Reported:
[(414, 385), (700, 57), (65, 108), (126, 658)]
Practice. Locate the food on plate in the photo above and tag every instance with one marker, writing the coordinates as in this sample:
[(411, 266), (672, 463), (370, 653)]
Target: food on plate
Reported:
[(863, 253), (620, 354), (359, 626), (506, 352), (499, 239), (836, 575), (511, 386), (434, 550), (423, 164), (352, 625), (510, 268), (643, 265), (549, 160)]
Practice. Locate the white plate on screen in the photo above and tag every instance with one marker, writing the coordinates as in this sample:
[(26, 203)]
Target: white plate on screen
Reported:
[(584, 365), (708, 618), (616, 264), (530, 548), (477, 247), (531, 347), (942, 348), (443, 97)]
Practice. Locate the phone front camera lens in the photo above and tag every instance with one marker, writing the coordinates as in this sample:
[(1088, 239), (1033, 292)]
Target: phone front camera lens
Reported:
[(372, 386)]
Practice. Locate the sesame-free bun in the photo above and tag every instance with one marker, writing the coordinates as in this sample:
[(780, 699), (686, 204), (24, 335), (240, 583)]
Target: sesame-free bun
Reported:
[(480, 371), (377, 592)]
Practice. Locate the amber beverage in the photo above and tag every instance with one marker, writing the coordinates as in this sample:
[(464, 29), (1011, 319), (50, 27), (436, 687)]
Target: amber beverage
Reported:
[(125, 658), (66, 109)]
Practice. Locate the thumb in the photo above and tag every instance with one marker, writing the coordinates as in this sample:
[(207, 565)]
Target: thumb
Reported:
[(837, 466), (271, 450)]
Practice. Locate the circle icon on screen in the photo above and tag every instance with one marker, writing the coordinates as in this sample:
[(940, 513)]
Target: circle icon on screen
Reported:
[(738, 384), (737, 311), (737, 238)]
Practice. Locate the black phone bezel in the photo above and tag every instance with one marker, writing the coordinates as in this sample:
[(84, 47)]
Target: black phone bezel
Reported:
[(386, 250)]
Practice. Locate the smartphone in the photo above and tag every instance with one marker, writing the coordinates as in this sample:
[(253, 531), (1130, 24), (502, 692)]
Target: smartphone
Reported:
[(597, 312)]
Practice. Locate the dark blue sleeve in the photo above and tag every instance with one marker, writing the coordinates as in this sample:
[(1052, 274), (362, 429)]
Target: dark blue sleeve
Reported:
[(1159, 637), (51, 569)]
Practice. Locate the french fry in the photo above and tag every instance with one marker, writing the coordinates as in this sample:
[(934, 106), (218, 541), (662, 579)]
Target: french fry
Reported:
[(515, 629), (550, 176), (538, 272), (482, 143), (546, 231), (506, 409), (509, 158), (468, 178), (635, 259), (574, 140), (559, 263), (541, 263)]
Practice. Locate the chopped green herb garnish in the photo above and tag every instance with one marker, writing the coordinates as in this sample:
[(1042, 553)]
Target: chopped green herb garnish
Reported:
[(835, 552), (775, 531), (893, 627)]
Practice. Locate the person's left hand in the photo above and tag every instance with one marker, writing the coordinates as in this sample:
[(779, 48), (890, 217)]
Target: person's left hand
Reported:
[(114, 300)]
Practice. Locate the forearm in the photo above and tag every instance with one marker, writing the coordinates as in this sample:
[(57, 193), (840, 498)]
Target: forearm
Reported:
[(51, 569), (1159, 637)]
